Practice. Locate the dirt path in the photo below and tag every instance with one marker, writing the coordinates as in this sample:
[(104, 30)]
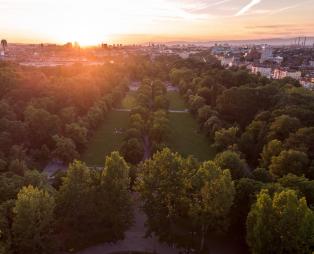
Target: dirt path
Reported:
[(134, 238)]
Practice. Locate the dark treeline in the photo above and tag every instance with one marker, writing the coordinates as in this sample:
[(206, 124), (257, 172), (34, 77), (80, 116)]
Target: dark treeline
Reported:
[(258, 190), (87, 207), (49, 113), (263, 133)]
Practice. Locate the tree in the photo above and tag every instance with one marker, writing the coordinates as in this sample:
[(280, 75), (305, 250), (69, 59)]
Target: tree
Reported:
[(33, 221), (301, 184), (241, 104), (232, 161), (205, 92), (65, 149), (159, 130), (273, 148), (290, 161), (98, 199), (75, 204), (282, 224), (196, 102), (185, 74), (4, 44), (46, 125), (282, 126), (161, 183), (6, 218), (262, 175), (116, 207), (133, 150), (212, 125), (204, 113), (302, 140), (226, 137), (252, 140), (18, 166), (245, 195), (78, 134), (212, 198)]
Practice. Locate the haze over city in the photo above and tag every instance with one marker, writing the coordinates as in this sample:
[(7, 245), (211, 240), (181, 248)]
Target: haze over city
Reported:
[(94, 21)]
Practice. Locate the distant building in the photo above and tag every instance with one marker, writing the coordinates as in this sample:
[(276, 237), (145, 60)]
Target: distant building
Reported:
[(284, 73), (184, 55), (278, 59), (263, 70), (221, 49), (227, 61), (267, 54)]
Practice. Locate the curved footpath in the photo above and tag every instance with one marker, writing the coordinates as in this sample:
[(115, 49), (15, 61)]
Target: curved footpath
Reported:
[(134, 239)]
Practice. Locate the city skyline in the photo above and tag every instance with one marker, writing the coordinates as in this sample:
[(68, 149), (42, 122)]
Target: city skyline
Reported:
[(94, 21)]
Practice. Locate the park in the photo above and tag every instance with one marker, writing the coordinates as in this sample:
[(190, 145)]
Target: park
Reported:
[(185, 137)]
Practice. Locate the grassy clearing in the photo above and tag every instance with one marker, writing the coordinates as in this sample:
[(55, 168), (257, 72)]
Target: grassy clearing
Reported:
[(129, 101), (107, 138), (176, 101), (186, 139)]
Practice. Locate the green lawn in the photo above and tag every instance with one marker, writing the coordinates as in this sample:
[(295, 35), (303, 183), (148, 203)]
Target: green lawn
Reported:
[(129, 101), (186, 139), (107, 138), (176, 101)]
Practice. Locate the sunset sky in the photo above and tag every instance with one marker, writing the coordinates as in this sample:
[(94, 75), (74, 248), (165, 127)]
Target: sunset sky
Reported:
[(133, 21)]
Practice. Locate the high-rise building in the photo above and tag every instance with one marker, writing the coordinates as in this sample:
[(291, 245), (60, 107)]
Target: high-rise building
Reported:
[(267, 53)]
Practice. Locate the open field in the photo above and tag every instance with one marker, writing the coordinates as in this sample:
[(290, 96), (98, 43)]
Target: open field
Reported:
[(107, 138), (186, 139), (176, 101)]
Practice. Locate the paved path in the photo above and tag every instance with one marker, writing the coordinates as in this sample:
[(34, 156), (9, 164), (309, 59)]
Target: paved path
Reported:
[(53, 167), (134, 239), (170, 111), (179, 111)]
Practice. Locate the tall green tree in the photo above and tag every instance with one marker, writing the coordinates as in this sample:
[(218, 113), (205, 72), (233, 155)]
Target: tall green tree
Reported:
[(282, 126), (162, 187), (212, 198), (273, 148), (74, 203), (232, 161), (33, 221), (225, 138), (282, 224), (65, 149), (290, 161), (115, 184)]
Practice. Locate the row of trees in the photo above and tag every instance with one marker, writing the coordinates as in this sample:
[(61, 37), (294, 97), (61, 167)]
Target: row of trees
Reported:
[(148, 127), (50, 113), (262, 131), (90, 206), (188, 202)]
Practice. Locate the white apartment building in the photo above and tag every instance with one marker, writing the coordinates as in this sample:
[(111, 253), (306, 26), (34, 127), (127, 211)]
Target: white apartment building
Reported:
[(280, 74)]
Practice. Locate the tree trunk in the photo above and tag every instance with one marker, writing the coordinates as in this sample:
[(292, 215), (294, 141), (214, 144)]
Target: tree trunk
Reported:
[(203, 236)]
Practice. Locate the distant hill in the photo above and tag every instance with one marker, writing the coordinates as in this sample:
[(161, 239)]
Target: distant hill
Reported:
[(270, 41)]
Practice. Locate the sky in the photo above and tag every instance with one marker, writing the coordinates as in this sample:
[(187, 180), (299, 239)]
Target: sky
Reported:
[(134, 21)]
